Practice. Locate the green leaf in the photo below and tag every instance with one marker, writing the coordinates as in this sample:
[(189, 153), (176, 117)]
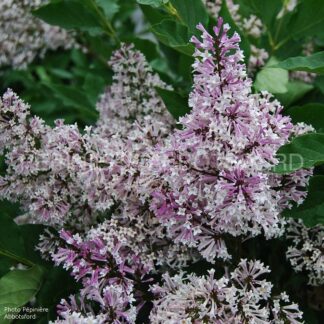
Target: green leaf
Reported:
[(313, 63), (70, 95), (3, 321), (109, 7), (305, 151), (153, 3), (160, 65), (184, 68), (18, 287), (308, 19), (319, 83), (152, 15), (312, 209), (79, 58), (12, 243), (61, 73), (312, 113), (176, 104), (175, 35), (10, 236), (68, 14), (5, 265), (93, 87), (191, 13), (272, 79), (295, 91), (31, 234), (73, 97)]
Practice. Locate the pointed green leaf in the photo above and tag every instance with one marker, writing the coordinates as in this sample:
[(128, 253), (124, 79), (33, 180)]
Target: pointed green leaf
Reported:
[(313, 63), (68, 14), (175, 35), (191, 13), (109, 7), (308, 20), (10, 236), (272, 79), (18, 287), (153, 3)]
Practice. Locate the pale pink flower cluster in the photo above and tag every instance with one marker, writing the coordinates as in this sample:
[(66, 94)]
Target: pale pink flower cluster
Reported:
[(307, 250), (206, 180), (242, 297), (258, 58), (213, 6), (127, 107), (215, 173), (23, 36), (108, 273)]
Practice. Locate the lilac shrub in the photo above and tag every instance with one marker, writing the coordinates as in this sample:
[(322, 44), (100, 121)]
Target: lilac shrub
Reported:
[(132, 197)]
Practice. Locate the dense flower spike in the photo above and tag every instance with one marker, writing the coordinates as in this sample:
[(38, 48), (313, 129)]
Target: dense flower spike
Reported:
[(244, 297), (23, 36), (133, 118), (113, 262), (108, 271), (307, 250), (214, 174), (59, 174), (125, 102), (40, 163)]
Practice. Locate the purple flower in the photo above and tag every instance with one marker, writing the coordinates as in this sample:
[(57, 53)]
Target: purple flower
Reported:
[(214, 175)]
